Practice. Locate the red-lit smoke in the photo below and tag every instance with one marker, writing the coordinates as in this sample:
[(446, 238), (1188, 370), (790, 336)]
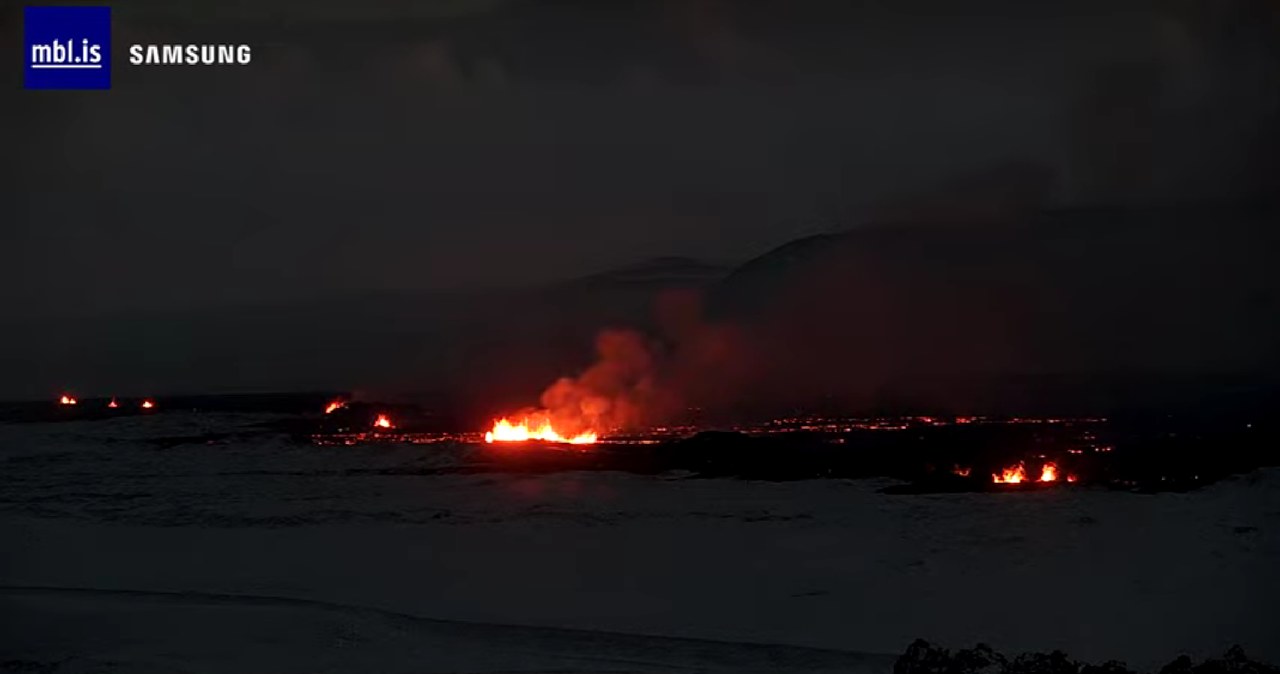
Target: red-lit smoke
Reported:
[(637, 380)]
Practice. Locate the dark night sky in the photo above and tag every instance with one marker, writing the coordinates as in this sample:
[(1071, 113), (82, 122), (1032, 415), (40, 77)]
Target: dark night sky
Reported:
[(417, 146)]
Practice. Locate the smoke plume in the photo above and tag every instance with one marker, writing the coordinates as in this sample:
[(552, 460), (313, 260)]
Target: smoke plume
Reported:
[(639, 380), (614, 392)]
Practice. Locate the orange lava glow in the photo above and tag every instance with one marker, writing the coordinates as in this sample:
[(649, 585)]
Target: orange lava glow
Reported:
[(383, 421), (505, 431), (1049, 473), (1018, 473), (1071, 478), (962, 472), (1011, 475), (67, 400), (147, 404), (334, 406), (113, 404)]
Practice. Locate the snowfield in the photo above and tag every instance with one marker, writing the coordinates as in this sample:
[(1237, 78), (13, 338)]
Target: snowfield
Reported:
[(207, 543)]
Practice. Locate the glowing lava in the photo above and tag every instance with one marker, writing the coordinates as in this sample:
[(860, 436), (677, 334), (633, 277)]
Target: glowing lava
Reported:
[(383, 421), (1049, 473), (1011, 475), (67, 400), (147, 404), (113, 404), (334, 406), (505, 431), (1018, 473)]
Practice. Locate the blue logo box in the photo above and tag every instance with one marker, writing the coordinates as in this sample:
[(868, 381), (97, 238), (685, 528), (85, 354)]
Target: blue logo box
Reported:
[(67, 47)]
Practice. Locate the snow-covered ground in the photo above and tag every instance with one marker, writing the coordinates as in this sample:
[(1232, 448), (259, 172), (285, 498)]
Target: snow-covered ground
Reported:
[(120, 547)]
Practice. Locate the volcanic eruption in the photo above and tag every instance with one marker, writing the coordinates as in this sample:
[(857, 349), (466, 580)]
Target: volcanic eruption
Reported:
[(640, 380), (609, 395)]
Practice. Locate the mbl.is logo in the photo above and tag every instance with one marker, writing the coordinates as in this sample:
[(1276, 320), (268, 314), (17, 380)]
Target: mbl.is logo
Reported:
[(68, 47)]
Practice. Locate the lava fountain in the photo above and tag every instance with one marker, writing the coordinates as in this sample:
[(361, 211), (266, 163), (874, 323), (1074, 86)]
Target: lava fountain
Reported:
[(534, 429), (1011, 475), (1018, 473), (383, 421), (1049, 473), (67, 400)]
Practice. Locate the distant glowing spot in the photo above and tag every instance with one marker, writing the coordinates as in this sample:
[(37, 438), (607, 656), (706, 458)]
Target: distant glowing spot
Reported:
[(382, 422), (67, 400)]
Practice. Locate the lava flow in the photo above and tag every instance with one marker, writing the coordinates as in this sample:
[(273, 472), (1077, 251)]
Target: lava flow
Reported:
[(505, 431), (334, 406)]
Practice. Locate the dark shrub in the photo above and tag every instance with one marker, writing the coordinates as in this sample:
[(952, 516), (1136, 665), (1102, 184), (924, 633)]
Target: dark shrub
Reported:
[(1234, 661), (980, 659), (1108, 667), (1056, 662), (925, 658)]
